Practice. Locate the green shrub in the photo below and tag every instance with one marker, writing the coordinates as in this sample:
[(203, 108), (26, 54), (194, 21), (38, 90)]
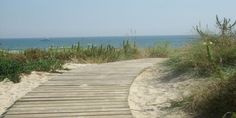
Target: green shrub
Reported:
[(159, 50), (213, 54), (192, 57), (17, 57), (47, 65), (62, 56), (12, 65), (34, 54), (10, 69), (97, 54), (129, 50), (208, 55), (214, 100)]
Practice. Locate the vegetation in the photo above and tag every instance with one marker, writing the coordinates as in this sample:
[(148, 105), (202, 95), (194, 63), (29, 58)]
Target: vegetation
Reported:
[(12, 65), (215, 99), (212, 56), (10, 69), (160, 50)]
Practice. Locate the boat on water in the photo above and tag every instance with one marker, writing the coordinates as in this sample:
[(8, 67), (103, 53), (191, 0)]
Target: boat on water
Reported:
[(47, 39)]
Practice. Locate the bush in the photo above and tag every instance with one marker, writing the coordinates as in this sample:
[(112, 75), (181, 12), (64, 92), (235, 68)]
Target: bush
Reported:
[(214, 100), (159, 50), (12, 65), (208, 55), (192, 58), (99, 54), (213, 54), (47, 65), (34, 54), (129, 51), (10, 69)]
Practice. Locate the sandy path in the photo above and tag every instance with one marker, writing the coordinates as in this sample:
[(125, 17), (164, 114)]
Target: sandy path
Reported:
[(153, 91)]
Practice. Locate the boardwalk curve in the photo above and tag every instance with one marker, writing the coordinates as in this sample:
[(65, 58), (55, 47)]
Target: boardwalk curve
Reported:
[(96, 91)]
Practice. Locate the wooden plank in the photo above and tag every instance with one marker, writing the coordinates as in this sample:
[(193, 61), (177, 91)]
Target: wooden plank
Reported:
[(75, 95), (91, 73), (70, 102), (104, 116), (65, 104), (78, 94), (89, 84), (96, 91), (70, 114), (77, 91), (72, 98), (74, 109), (110, 116)]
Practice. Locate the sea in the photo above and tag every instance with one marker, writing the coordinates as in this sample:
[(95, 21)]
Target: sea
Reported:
[(116, 41)]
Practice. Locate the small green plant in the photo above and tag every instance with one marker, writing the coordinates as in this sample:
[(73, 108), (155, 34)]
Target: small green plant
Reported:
[(213, 65), (159, 50), (129, 50)]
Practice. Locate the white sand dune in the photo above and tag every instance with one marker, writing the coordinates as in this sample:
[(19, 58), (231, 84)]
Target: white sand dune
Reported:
[(153, 91)]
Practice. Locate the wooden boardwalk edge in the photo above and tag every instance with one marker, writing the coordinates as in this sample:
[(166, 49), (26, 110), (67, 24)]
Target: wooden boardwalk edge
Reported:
[(94, 91)]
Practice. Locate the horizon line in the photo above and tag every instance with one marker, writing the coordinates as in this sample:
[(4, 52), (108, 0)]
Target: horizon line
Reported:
[(95, 36)]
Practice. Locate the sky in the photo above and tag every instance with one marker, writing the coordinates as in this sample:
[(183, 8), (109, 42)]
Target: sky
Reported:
[(79, 18)]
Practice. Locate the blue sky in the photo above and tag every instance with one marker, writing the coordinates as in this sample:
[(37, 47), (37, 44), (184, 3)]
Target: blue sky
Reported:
[(71, 18)]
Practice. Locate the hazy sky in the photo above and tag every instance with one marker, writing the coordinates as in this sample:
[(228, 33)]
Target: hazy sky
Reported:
[(63, 18)]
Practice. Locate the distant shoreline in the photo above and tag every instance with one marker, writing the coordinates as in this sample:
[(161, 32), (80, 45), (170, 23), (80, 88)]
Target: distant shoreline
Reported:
[(141, 41), (95, 36)]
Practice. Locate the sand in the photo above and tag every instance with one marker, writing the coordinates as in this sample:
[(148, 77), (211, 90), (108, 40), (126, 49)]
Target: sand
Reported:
[(150, 94), (153, 91), (10, 92)]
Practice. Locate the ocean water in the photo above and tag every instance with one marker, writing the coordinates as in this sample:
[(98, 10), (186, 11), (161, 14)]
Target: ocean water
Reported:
[(141, 41)]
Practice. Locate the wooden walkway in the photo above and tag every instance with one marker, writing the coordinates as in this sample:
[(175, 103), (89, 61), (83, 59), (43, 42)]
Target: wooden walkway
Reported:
[(95, 91)]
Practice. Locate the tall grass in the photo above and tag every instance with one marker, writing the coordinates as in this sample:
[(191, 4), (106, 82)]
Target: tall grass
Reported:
[(51, 59), (129, 51), (161, 49), (211, 54), (215, 99)]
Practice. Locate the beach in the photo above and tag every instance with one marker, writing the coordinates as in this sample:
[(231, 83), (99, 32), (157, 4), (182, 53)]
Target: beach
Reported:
[(11, 92), (152, 95)]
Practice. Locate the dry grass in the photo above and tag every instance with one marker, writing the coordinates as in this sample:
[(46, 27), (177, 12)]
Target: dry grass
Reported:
[(215, 99)]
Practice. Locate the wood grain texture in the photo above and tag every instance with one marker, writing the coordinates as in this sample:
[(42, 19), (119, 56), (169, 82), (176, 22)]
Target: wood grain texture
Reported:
[(95, 91)]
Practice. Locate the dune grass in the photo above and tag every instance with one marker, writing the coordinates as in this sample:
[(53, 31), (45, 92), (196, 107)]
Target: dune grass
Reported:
[(161, 49), (215, 99), (13, 64), (212, 56)]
